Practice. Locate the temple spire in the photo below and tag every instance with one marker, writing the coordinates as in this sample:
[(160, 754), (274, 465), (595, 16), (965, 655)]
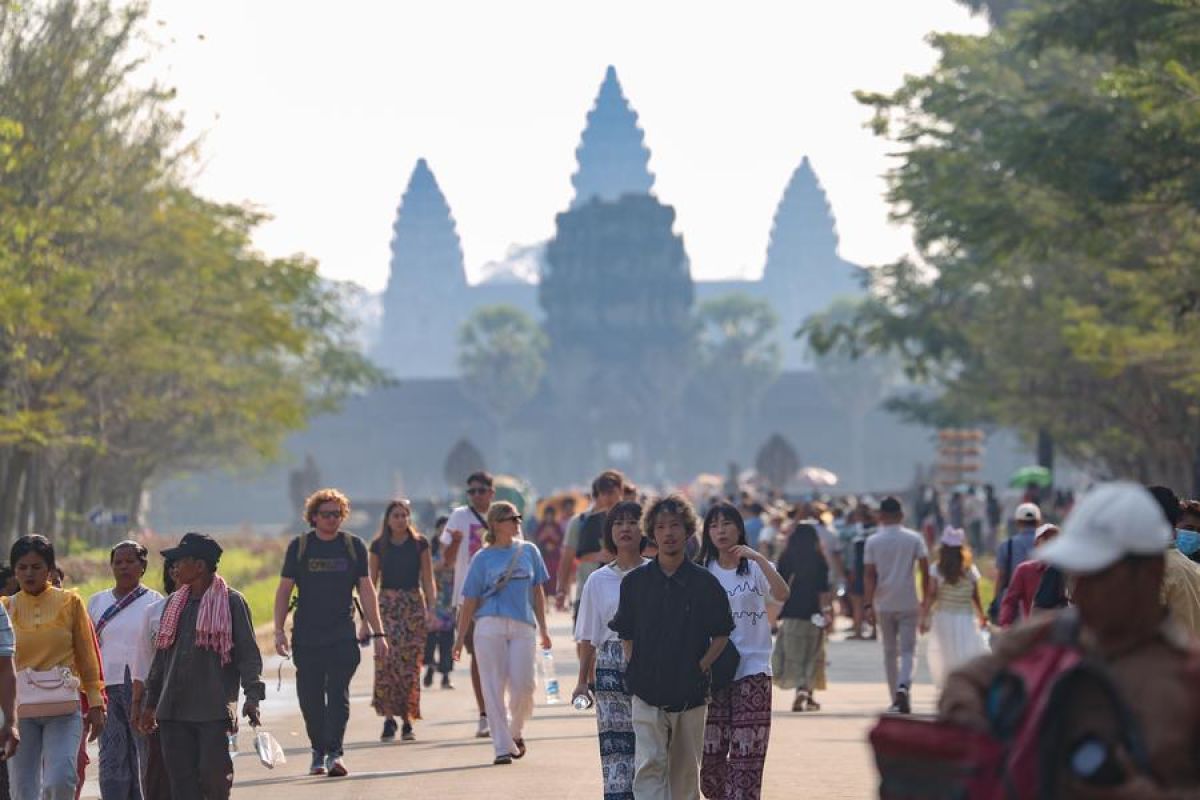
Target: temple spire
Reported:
[(427, 276), (804, 234), (613, 158)]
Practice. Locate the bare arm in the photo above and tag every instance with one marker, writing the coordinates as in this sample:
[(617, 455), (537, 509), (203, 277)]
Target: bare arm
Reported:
[(451, 552), (427, 583), (923, 566), (374, 569), (283, 597), (466, 612), (870, 579), (566, 571), (8, 707), (539, 613), (587, 662), (370, 604), (714, 650), (779, 587), (627, 647)]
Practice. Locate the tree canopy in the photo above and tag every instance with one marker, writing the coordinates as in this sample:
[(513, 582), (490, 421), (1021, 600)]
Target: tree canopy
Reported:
[(1049, 170), (140, 331)]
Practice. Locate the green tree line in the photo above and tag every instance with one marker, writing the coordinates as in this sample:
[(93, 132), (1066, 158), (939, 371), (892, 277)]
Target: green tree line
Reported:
[(1050, 170), (141, 334)]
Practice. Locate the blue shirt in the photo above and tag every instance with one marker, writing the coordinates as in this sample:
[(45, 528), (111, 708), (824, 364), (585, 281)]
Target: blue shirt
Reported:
[(513, 600), (754, 527), (1021, 545), (7, 639)]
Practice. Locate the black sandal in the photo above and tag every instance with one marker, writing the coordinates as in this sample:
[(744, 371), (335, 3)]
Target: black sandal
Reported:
[(520, 743)]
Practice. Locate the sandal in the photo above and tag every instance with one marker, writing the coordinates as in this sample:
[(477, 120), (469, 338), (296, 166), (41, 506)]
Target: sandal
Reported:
[(798, 703), (810, 704), (520, 743)]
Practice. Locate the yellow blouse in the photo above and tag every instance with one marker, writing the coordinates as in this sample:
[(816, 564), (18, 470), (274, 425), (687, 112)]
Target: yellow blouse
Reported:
[(53, 629)]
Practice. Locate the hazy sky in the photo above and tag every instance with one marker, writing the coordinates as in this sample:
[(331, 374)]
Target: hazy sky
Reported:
[(317, 111)]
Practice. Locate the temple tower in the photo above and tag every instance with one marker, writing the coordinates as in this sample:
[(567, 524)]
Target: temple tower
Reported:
[(426, 287), (612, 156)]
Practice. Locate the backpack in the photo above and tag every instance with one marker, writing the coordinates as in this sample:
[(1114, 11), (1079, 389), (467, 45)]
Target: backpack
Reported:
[(1025, 750), (591, 534), (301, 564)]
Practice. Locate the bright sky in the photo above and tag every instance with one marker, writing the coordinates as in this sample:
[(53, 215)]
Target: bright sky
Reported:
[(316, 112)]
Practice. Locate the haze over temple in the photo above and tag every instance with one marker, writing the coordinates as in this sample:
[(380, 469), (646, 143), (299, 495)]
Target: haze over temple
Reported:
[(428, 297)]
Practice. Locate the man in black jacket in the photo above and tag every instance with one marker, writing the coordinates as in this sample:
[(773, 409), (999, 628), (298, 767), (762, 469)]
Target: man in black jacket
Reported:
[(674, 620)]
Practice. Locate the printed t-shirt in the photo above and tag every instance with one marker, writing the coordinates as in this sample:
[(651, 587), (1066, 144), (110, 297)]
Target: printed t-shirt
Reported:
[(895, 551), (748, 595), (598, 605), (463, 519), (513, 600), (326, 581)]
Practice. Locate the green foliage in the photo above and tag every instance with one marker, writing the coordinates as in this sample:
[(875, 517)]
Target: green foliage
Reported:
[(1049, 171), (140, 332), (500, 354), (738, 355)]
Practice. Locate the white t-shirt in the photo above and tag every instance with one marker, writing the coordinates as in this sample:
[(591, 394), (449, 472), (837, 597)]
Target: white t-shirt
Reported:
[(895, 551), (121, 638), (598, 605), (748, 597), (463, 519), (151, 621)]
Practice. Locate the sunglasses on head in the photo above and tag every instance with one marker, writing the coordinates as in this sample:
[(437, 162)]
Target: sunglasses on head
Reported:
[(329, 514), (478, 490)]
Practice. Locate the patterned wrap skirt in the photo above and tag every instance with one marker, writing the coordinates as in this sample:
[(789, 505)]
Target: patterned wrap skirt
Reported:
[(398, 674), (614, 718)]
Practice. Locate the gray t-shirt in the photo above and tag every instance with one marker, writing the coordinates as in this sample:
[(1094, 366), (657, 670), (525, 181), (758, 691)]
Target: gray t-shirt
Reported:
[(895, 551)]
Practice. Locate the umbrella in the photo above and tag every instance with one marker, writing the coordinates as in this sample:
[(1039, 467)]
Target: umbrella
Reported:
[(1038, 476), (817, 477)]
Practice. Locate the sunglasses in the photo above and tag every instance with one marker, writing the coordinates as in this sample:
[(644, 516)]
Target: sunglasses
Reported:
[(477, 491), (517, 518), (329, 514)]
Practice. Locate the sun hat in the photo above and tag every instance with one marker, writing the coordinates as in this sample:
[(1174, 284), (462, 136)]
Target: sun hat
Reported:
[(1112, 521), (1043, 530), (953, 537)]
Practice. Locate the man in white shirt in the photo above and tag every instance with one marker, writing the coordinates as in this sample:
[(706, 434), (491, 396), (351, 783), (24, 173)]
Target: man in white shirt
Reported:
[(462, 538), (890, 596), (118, 615)]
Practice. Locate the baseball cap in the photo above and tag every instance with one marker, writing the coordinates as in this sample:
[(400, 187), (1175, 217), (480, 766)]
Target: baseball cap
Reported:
[(1112, 521), (1028, 512), (195, 545)]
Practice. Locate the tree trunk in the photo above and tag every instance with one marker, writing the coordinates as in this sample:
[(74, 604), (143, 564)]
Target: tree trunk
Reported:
[(10, 494), (28, 497), (1045, 449)]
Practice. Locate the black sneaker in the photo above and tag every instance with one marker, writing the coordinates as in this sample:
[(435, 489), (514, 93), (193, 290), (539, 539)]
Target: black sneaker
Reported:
[(504, 759), (902, 704), (406, 733), (446, 684), (389, 731), (428, 677)]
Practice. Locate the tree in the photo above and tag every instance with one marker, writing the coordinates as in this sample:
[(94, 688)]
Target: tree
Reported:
[(1048, 170), (777, 461), (739, 356), (140, 331), (500, 355)]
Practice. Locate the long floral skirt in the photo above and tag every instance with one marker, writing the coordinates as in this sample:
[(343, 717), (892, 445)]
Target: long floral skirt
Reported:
[(614, 718), (398, 674)]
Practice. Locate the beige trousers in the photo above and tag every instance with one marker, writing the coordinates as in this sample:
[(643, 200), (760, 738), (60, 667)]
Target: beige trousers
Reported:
[(668, 748)]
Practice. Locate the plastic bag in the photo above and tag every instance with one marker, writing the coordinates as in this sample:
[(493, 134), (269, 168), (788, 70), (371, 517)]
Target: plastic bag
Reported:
[(270, 752)]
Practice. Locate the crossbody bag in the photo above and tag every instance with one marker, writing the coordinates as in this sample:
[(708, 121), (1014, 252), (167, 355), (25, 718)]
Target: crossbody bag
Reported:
[(508, 572)]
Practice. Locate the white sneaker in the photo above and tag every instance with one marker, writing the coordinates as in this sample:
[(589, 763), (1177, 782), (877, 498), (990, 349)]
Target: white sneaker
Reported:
[(483, 732)]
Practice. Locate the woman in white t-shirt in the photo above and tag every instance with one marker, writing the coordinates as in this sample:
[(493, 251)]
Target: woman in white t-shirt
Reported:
[(739, 715), (601, 654), (117, 616)]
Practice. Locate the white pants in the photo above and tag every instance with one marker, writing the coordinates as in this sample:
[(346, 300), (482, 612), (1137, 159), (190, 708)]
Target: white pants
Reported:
[(667, 751), (504, 651)]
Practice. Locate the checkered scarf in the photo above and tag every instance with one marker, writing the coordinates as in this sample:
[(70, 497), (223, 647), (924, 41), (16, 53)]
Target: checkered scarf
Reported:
[(214, 623)]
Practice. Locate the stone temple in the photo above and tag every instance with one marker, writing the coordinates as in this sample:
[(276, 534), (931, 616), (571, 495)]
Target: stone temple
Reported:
[(614, 295)]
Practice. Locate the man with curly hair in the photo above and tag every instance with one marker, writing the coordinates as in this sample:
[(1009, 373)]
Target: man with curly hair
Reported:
[(326, 564), (674, 620)]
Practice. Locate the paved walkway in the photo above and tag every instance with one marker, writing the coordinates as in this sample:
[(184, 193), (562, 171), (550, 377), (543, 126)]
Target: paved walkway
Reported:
[(821, 755)]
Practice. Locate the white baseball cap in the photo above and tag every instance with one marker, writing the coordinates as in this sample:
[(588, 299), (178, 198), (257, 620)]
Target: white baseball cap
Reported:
[(1110, 522), (1028, 512)]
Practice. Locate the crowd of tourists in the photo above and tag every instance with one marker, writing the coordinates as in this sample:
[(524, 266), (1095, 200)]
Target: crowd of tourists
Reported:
[(684, 620)]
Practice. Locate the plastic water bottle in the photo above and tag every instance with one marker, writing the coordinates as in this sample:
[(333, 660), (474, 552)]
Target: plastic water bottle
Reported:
[(233, 743), (582, 702), (552, 696)]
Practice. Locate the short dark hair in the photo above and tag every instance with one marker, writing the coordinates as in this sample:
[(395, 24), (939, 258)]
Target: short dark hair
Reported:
[(32, 543), (608, 481), (1169, 502), (671, 504), (143, 555), (891, 505), (626, 509), (482, 476)]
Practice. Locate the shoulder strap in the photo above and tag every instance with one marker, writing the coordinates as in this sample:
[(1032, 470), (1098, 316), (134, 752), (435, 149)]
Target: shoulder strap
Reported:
[(508, 571), (349, 541), (482, 521), (302, 540)]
